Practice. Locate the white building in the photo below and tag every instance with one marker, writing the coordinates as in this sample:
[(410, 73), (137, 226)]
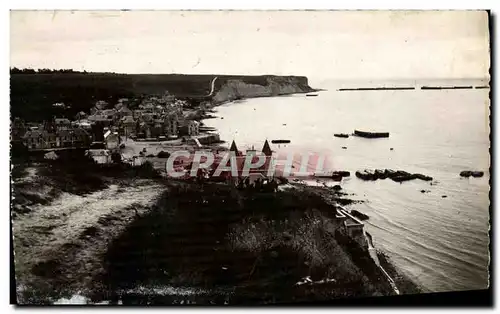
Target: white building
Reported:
[(193, 128), (100, 156), (112, 139)]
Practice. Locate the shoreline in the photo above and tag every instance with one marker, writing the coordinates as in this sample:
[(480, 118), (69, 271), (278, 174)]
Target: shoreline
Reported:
[(74, 264), (220, 103), (395, 276), (56, 269)]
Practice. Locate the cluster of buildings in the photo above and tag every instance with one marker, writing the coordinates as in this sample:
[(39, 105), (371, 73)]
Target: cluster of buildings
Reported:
[(157, 118), (259, 174), (58, 133), (154, 118)]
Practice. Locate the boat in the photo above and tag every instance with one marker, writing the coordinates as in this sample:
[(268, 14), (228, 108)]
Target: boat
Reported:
[(311, 95), (371, 134), (343, 135), (280, 141)]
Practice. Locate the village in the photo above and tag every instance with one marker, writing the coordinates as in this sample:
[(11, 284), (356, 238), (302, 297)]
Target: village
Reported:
[(150, 132), (127, 127)]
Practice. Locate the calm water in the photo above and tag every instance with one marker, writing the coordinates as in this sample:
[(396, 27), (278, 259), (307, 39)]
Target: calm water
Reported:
[(441, 243)]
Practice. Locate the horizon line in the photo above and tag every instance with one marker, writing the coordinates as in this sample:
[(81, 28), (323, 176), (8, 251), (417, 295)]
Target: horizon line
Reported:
[(487, 77)]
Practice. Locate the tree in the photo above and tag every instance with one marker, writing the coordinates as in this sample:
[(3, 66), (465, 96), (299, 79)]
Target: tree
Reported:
[(116, 157)]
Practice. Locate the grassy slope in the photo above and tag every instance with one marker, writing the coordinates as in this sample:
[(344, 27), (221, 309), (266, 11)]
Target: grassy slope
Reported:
[(209, 237), (256, 245)]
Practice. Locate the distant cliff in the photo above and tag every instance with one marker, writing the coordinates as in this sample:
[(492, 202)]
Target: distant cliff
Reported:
[(260, 86)]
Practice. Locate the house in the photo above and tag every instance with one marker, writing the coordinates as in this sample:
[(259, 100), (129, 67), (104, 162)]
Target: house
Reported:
[(51, 155), (80, 116), (351, 226), (123, 112), (167, 97), (144, 129), (32, 139), (39, 139), (148, 117), (110, 114), (104, 120), (112, 139), (62, 124), (80, 137), (266, 149), (100, 156), (101, 105), (193, 127), (253, 177), (123, 101), (136, 113), (59, 105), (97, 132), (147, 107), (171, 125), (260, 173), (190, 128), (234, 149), (18, 129), (158, 128), (83, 124), (128, 125), (64, 138)]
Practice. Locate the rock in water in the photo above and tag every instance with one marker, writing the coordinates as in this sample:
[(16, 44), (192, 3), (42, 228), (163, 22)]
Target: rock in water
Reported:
[(477, 174), (423, 177), (466, 174), (336, 177), (343, 135), (397, 176), (381, 174), (342, 173), (365, 175)]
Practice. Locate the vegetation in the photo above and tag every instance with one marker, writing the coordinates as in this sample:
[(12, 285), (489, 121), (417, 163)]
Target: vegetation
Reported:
[(215, 238), (71, 173), (34, 92), (163, 154)]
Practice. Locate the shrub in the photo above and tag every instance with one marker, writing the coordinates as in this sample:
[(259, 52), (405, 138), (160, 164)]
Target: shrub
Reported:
[(163, 154), (116, 157), (147, 170)]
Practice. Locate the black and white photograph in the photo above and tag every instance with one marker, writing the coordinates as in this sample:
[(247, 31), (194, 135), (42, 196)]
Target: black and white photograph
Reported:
[(245, 158)]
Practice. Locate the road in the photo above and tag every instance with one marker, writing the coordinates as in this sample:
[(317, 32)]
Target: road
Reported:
[(212, 88)]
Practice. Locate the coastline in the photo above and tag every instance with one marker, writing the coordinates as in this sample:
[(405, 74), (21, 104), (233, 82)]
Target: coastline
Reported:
[(122, 224), (398, 278)]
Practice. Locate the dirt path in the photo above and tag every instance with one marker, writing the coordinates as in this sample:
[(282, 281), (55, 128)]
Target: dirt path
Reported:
[(58, 246)]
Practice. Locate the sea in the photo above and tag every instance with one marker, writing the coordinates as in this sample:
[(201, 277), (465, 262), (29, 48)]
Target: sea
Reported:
[(439, 238)]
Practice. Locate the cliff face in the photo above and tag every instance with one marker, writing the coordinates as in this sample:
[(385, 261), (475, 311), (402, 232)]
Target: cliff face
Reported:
[(268, 86)]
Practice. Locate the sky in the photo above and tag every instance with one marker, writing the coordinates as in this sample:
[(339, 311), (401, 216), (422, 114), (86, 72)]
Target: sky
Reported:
[(317, 44)]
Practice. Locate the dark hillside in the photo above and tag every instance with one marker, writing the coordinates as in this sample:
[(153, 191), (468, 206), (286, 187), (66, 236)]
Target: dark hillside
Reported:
[(32, 94)]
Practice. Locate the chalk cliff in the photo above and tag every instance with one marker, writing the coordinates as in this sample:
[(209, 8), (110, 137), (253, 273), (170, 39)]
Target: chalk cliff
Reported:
[(263, 86)]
